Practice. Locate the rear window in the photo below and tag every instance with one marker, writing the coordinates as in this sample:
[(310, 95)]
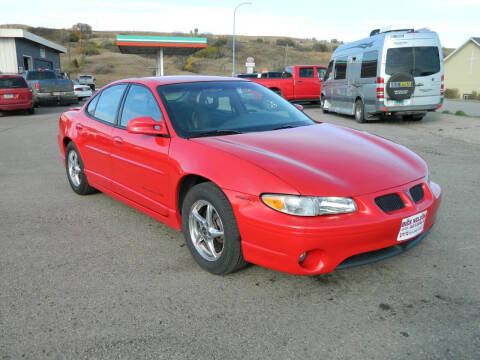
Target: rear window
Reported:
[(417, 61), (12, 83), (41, 75)]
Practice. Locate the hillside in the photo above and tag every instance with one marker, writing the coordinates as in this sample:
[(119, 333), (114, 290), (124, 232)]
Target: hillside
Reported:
[(96, 53)]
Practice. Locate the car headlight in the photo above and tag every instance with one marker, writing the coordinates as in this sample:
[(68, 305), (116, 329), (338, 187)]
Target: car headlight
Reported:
[(309, 205)]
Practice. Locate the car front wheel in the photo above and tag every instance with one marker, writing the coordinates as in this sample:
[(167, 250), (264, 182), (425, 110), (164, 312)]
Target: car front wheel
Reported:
[(211, 231)]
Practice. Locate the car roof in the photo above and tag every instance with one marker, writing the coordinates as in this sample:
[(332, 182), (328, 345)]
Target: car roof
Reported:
[(165, 80)]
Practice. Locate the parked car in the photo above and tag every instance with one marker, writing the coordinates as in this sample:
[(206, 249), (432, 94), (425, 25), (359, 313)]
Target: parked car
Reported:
[(247, 76), (82, 91), (248, 176), (392, 72), (47, 88), (84, 79), (298, 83), (15, 94), (271, 75)]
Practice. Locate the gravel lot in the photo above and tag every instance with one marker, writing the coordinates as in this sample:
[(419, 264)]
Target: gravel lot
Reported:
[(91, 278)]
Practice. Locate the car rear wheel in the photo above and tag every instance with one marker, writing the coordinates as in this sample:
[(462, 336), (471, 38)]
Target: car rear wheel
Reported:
[(31, 111), (76, 176), (359, 111), (211, 231)]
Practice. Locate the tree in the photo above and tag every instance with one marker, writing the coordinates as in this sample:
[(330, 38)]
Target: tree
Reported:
[(83, 31)]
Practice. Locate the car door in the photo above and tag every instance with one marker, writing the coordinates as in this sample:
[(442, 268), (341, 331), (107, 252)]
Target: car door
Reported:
[(95, 134), (339, 91), (140, 162), (307, 85)]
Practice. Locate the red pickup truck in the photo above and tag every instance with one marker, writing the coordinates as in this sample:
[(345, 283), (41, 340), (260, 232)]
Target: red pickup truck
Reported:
[(300, 82)]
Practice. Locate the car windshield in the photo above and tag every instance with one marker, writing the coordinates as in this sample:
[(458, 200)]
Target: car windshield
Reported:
[(227, 107), (12, 83), (417, 61), (85, 78), (41, 75)]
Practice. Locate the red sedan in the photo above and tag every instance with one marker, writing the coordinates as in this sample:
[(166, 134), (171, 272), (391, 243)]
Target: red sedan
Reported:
[(15, 94), (247, 175)]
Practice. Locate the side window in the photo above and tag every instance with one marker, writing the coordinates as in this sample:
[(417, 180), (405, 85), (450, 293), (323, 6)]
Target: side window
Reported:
[(92, 104), (329, 70), (321, 72), (107, 106), (369, 64), (340, 68), (306, 72), (139, 102)]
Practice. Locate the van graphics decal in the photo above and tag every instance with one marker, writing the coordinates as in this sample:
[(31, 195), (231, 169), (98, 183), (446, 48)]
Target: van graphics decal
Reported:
[(361, 46)]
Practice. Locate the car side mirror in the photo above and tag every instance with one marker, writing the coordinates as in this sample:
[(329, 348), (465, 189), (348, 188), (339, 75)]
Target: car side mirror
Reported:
[(146, 125), (298, 106)]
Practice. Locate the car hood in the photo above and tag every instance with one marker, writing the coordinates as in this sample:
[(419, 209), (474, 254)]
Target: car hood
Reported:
[(324, 159)]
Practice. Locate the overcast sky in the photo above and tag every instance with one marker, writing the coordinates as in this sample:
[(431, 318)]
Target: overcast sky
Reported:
[(347, 20)]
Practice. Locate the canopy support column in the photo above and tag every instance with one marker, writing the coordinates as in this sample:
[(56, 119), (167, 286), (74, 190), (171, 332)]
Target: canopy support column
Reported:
[(159, 66)]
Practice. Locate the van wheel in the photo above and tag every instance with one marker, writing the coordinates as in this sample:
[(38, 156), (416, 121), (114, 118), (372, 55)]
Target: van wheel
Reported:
[(322, 104), (359, 111)]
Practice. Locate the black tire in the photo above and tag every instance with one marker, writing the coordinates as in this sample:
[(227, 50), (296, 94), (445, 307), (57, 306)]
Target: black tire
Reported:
[(400, 86), (31, 111), (230, 258), (322, 104), (82, 187), (413, 117), (359, 111)]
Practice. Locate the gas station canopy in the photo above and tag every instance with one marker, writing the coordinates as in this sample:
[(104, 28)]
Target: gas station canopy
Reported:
[(160, 45)]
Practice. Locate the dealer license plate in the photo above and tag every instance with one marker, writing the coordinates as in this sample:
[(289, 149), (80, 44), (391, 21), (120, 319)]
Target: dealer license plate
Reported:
[(8, 96), (412, 226)]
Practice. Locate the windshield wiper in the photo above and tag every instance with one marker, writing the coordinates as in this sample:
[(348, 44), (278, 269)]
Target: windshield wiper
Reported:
[(285, 127), (215, 133)]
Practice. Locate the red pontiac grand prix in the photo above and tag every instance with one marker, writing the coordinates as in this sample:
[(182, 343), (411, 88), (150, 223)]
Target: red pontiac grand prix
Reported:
[(248, 176)]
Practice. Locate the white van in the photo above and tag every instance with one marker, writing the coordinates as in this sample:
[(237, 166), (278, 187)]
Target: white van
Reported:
[(392, 72)]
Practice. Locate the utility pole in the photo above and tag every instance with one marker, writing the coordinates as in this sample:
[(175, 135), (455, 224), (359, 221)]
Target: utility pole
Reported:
[(233, 37)]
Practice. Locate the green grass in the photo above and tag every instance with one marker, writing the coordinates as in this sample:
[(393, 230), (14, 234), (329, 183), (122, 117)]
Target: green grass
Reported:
[(460, 113)]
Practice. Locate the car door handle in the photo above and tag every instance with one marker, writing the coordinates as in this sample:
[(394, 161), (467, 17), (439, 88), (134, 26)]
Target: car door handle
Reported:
[(117, 140), (299, 81), (79, 127)]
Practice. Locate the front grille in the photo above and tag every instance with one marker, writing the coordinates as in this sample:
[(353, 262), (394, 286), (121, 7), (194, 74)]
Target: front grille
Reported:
[(417, 193), (390, 202)]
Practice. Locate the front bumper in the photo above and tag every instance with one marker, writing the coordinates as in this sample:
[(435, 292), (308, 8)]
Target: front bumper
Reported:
[(276, 240)]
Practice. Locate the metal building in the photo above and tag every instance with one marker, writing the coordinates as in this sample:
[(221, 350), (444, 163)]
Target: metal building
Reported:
[(21, 50)]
